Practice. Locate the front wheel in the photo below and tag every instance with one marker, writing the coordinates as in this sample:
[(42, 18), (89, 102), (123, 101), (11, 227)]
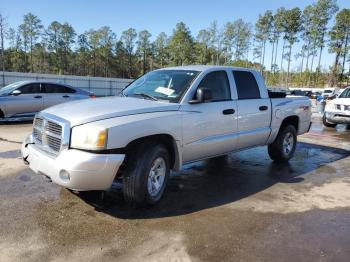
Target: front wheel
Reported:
[(282, 149), (327, 124), (146, 175)]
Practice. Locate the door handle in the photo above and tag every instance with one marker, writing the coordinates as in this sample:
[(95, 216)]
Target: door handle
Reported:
[(230, 111), (263, 108), (38, 97), (65, 96)]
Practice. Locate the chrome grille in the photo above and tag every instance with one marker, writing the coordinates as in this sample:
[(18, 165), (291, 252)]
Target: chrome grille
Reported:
[(48, 134), (38, 122), (37, 135), (53, 142), (54, 128), (37, 129)]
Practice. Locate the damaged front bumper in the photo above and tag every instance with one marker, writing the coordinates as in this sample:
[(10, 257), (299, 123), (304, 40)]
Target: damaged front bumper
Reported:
[(72, 168)]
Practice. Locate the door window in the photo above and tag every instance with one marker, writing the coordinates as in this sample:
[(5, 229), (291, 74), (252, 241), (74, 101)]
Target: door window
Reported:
[(219, 85), (30, 88), (54, 88), (247, 87)]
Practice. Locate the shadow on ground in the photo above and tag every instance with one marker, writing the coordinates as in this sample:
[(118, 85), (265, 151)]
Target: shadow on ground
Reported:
[(220, 181), (16, 121)]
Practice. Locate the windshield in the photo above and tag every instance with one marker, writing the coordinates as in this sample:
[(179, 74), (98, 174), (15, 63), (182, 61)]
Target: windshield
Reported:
[(9, 88), (167, 85), (345, 93)]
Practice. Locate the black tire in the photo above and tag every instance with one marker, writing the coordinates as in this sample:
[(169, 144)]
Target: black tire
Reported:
[(135, 178), (327, 124), (276, 149)]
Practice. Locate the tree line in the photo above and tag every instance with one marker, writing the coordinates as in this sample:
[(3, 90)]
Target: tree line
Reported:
[(319, 27)]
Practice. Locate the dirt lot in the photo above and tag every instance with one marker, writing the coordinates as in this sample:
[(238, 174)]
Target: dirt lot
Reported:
[(243, 208)]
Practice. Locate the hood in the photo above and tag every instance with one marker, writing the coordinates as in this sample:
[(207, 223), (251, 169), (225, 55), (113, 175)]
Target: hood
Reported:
[(89, 110), (341, 101)]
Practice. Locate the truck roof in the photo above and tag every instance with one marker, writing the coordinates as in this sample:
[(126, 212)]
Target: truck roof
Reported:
[(205, 67)]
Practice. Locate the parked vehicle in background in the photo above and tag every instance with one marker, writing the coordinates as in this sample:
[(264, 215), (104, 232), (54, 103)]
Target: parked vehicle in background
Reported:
[(26, 98), (330, 93), (306, 91), (163, 120), (308, 94), (337, 111), (315, 94), (297, 92)]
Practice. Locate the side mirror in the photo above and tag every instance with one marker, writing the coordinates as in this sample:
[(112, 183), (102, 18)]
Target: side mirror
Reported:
[(203, 95), (16, 93)]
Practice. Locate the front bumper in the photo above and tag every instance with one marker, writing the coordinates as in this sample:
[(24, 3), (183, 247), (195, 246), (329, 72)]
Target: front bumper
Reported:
[(73, 169), (338, 117)]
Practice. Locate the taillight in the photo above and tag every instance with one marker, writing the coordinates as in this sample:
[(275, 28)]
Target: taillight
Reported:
[(92, 96)]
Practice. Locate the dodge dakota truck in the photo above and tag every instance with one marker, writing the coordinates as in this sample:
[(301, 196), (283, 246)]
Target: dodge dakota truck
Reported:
[(161, 121)]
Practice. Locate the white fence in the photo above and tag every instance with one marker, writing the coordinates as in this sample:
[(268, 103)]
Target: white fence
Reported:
[(100, 86)]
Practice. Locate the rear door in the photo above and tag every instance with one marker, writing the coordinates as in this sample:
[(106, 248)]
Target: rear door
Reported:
[(210, 128), (27, 103), (254, 111), (77, 94), (56, 94)]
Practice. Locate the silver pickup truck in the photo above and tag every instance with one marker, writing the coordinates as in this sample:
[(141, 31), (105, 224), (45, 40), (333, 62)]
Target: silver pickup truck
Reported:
[(161, 121)]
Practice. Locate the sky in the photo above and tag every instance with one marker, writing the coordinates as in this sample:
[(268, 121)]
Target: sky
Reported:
[(154, 15)]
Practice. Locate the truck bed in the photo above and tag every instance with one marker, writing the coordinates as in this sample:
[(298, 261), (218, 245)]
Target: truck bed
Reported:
[(276, 94)]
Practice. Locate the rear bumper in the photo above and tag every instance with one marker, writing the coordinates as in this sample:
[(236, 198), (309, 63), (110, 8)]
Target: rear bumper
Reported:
[(73, 169), (338, 118)]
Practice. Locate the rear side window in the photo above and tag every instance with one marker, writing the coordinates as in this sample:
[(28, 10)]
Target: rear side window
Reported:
[(247, 87), (218, 83), (53, 88), (30, 88)]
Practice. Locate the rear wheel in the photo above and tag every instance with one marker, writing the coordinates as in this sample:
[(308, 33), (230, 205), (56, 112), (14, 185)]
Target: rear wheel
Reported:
[(146, 174), (327, 124), (282, 149)]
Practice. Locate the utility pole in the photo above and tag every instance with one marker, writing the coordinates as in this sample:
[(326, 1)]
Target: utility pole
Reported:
[(2, 33)]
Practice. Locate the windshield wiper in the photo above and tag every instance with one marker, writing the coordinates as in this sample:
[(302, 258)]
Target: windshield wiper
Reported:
[(144, 95)]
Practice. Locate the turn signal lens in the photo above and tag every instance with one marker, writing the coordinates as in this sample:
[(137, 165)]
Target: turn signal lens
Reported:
[(101, 140)]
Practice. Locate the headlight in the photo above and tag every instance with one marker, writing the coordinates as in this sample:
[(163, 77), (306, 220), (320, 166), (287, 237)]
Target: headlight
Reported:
[(89, 137)]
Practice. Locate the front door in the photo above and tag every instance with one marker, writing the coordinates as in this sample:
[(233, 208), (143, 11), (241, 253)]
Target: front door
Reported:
[(210, 128), (27, 103)]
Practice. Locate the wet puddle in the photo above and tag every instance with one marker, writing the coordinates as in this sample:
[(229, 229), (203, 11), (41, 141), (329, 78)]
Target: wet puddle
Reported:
[(10, 154)]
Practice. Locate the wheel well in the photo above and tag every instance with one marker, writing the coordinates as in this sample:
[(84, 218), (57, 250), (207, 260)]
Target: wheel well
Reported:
[(1, 114), (291, 120), (167, 140)]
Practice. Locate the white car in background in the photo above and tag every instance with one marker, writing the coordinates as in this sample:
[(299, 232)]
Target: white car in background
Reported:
[(330, 92), (337, 111)]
